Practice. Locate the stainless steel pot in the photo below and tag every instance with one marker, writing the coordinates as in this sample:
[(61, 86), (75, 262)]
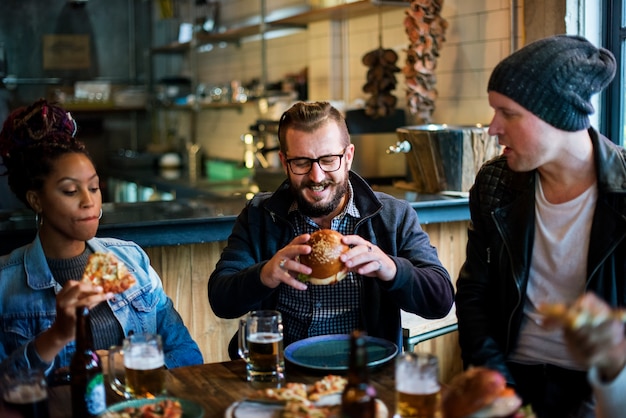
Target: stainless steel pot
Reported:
[(370, 158), (445, 158)]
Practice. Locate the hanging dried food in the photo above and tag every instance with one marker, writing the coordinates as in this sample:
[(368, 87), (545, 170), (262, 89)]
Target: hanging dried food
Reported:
[(381, 80), (426, 31)]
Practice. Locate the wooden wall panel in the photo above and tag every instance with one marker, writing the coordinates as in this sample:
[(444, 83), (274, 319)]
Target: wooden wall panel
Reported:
[(447, 350), (212, 333), (450, 240), (185, 271)]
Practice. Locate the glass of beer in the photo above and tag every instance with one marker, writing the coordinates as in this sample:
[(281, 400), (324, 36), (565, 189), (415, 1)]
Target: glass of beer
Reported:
[(144, 367), (261, 346), (418, 393), (25, 393)]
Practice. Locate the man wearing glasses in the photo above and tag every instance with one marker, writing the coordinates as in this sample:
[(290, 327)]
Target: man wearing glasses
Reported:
[(391, 262)]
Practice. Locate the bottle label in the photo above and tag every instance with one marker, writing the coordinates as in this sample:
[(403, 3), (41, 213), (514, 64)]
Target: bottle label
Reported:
[(95, 395)]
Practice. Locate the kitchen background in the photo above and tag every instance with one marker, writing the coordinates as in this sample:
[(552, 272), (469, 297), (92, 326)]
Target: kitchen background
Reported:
[(136, 92)]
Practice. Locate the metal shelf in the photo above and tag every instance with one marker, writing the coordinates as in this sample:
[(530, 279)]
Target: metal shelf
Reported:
[(299, 20)]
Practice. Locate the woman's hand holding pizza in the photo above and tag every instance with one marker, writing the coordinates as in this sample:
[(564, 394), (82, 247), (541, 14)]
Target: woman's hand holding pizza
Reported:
[(104, 276), (73, 295), (63, 330)]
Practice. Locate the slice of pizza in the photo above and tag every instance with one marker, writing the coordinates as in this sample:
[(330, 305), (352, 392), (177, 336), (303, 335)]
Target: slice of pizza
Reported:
[(578, 314), (290, 392), (329, 385), (106, 270)]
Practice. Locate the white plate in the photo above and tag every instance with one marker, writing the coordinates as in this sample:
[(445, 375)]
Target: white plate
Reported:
[(248, 409)]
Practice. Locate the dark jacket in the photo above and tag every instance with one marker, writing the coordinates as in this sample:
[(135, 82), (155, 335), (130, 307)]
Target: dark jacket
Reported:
[(422, 285), (491, 288)]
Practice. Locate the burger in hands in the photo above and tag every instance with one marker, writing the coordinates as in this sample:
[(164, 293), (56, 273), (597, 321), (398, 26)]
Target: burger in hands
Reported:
[(326, 247), (480, 392)]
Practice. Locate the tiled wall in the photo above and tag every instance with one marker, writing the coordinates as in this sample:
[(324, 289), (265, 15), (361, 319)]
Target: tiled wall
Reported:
[(478, 36)]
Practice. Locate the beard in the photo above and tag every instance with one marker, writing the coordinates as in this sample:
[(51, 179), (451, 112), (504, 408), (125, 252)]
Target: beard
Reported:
[(317, 209)]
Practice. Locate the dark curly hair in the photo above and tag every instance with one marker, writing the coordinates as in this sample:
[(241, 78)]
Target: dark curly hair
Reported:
[(32, 139)]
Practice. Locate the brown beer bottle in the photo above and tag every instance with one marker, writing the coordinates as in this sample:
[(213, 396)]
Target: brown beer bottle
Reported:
[(86, 378), (358, 399)]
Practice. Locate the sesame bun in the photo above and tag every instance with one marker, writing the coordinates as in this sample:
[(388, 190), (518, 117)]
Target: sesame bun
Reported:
[(479, 392), (326, 247)]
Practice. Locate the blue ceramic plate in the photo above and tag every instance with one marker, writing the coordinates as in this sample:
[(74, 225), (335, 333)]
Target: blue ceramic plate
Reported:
[(190, 409), (331, 352)]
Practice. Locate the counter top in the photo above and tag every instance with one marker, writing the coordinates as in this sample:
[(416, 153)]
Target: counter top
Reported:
[(188, 221), (207, 218), (178, 183)]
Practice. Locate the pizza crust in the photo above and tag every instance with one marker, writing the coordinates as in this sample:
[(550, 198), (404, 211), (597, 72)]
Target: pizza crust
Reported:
[(328, 385), (577, 315), (107, 271)]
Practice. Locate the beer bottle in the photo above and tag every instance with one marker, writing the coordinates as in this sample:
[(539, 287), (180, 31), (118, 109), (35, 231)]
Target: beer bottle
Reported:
[(86, 378), (358, 399)]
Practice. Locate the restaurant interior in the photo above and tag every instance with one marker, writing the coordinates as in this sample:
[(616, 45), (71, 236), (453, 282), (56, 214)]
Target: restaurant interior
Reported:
[(178, 102)]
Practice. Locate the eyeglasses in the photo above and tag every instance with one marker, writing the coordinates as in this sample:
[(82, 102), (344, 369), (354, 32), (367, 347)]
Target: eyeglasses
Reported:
[(328, 163)]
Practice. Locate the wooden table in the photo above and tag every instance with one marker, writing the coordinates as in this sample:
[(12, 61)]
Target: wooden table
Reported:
[(216, 386)]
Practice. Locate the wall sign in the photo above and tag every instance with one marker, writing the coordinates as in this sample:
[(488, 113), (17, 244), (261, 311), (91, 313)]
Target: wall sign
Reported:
[(66, 52)]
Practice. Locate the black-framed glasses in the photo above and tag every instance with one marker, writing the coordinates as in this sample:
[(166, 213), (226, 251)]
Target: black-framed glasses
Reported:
[(328, 163)]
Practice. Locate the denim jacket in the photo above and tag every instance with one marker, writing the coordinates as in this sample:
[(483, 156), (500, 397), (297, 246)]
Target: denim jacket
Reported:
[(28, 306)]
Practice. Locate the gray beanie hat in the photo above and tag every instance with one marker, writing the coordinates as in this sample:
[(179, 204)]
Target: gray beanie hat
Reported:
[(554, 78)]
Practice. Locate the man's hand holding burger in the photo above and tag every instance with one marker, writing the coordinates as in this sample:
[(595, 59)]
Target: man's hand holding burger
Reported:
[(284, 267), (324, 258), (333, 255), (367, 259)]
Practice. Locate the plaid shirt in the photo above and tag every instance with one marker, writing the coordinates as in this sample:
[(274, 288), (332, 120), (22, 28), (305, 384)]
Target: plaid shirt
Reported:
[(322, 310)]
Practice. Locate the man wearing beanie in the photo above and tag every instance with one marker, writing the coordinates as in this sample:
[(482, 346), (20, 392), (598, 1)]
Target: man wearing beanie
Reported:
[(548, 225)]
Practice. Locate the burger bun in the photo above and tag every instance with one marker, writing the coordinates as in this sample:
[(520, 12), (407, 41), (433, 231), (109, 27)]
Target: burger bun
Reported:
[(479, 392), (326, 247)]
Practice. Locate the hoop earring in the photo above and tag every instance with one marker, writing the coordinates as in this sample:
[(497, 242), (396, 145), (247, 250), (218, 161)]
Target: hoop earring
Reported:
[(38, 220), (100, 216)]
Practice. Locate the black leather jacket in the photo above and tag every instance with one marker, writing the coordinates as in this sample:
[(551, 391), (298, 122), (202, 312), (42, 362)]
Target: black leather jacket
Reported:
[(492, 283)]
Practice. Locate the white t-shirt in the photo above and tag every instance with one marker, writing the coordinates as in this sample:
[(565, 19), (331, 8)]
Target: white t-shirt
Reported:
[(558, 272)]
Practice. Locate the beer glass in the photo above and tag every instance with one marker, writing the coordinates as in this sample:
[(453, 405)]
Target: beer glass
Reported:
[(144, 367), (25, 392), (417, 386), (261, 346)]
